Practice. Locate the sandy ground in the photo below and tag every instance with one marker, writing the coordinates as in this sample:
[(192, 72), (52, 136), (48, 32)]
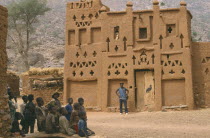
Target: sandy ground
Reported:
[(173, 124)]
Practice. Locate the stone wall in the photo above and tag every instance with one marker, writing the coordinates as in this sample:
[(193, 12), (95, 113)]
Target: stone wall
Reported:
[(13, 81), (4, 108), (43, 83), (201, 73)]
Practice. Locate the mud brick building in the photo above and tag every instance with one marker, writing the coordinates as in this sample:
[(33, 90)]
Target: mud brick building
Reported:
[(4, 108), (43, 83), (13, 81), (150, 51)]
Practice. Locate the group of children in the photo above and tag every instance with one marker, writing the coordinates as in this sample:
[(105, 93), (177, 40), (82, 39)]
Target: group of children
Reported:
[(52, 118)]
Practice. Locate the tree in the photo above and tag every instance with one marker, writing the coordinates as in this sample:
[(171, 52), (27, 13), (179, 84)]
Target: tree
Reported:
[(162, 4), (23, 15)]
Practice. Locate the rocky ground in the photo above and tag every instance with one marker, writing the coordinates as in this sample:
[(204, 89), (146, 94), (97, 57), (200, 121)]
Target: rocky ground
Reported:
[(173, 124)]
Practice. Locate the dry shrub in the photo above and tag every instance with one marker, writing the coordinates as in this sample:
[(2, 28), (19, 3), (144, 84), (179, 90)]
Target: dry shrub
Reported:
[(58, 72)]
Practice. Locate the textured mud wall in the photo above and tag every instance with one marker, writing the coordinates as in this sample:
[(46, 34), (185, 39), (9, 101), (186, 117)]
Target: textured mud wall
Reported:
[(41, 85), (4, 108), (201, 73), (13, 81)]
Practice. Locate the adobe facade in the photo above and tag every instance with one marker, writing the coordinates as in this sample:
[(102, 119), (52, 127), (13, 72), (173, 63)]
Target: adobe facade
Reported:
[(4, 108), (201, 74), (150, 51)]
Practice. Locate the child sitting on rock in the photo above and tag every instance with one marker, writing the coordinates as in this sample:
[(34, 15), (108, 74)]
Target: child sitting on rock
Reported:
[(40, 114), (82, 126), (52, 125), (64, 123), (15, 126), (74, 117)]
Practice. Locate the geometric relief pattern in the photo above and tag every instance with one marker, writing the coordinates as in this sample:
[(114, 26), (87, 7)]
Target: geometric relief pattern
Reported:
[(117, 69), (206, 60), (85, 20), (84, 54), (83, 64), (206, 64), (172, 65), (82, 73), (81, 68), (81, 5), (144, 58)]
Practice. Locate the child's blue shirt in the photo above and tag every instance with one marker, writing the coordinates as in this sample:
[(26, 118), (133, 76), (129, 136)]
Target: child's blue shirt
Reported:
[(82, 125), (69, 109)]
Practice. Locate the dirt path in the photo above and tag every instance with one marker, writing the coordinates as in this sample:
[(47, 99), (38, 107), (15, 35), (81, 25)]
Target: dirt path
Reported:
[(179, 124), (185, 124)]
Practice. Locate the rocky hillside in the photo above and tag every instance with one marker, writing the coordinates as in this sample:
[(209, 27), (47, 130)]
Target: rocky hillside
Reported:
[(50, 29)]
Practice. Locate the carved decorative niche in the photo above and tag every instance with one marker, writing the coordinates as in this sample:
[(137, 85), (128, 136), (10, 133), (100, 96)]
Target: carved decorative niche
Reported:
[(170, 29), (143, 57), (71, 37), (96, 35), (83, 36)]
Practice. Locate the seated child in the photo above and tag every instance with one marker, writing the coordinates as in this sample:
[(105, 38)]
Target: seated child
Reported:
[(81, 103), (52, 126), (82, 126), (74, 117), (64, 123), (15, 125), (69, 108), (82, 109), (40, 114)]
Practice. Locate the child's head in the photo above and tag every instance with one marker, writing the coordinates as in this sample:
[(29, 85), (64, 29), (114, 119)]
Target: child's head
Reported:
[(55, 95), (63, 111), (82, 115), (121, 85), (40, 101), (25, 99), (18, 116), (76, 106), (81, 101), (70, 101), (30, 97), (52, 109)]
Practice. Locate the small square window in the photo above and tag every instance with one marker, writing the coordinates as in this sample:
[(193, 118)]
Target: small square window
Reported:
[(142, 33)]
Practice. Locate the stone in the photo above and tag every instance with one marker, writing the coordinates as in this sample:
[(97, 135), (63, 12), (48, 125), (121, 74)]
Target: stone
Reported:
[(2, 111), (6, 117)]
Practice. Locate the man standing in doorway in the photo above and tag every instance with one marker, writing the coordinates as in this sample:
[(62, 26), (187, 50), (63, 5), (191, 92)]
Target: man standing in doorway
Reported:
[(122, 93)]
